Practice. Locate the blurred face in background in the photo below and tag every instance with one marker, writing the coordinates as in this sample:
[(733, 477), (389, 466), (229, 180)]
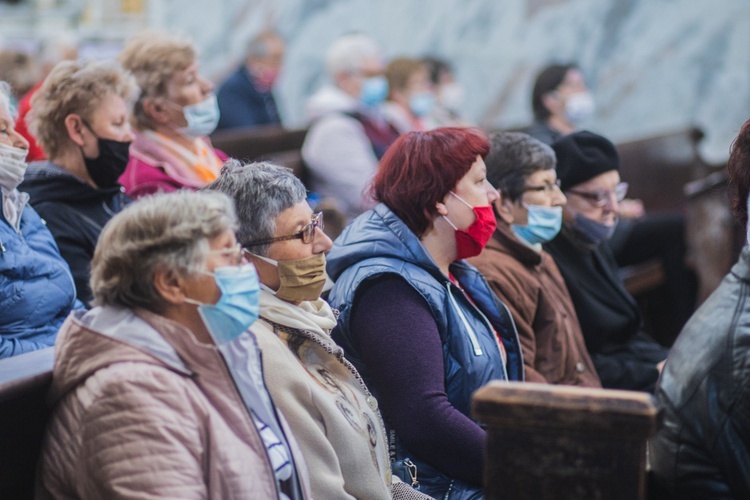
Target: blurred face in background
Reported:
[(187, 87), (596, 199), (8, 134)]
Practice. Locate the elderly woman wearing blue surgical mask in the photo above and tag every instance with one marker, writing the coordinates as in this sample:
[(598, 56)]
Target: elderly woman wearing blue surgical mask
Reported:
[(36, 287), (157, 390), (521, 273), (175, 113)]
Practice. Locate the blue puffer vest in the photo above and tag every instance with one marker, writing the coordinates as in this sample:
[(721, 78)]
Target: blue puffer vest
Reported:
[(378, 242), (36, 287)]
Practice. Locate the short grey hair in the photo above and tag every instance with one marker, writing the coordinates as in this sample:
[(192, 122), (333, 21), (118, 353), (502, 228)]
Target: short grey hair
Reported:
[(165, 231), (261, 192), (5, 99), (346, 54), (257, 47), (513, 157)]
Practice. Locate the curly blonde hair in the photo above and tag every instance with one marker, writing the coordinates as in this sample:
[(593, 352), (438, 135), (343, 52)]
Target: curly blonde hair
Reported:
[(154, 58), (75, 87)]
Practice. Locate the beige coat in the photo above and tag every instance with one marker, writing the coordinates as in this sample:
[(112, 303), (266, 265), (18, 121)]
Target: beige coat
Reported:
[(334, 417), (163, 419)]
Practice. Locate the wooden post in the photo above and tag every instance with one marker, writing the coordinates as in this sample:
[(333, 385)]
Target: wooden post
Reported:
[(549, 442)]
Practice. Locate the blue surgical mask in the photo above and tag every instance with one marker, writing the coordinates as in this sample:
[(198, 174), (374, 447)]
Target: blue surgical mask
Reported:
[(591, 231), (374, 91), (201, 118), (421, 103), (543, 224), (238, 307)]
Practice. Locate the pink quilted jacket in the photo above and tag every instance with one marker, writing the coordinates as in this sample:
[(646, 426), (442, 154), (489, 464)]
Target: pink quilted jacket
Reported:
[(132, 423)]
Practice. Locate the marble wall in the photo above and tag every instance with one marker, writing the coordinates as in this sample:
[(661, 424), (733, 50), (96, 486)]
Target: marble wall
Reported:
[(653, 65)]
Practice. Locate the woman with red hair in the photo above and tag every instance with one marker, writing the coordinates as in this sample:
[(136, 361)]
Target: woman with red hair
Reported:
[(421, 325)]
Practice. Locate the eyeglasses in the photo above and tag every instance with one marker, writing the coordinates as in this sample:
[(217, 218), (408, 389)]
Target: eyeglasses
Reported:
[(307, 235), (601, 197), (235, 254), (548, 187)]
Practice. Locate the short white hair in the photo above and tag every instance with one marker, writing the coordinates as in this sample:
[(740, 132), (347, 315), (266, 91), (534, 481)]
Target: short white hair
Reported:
[(5, 101), (348, 52), (56, 48)]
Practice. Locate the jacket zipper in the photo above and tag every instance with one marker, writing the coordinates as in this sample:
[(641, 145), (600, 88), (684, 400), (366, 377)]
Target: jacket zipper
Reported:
[(497, 340), (472, 335)]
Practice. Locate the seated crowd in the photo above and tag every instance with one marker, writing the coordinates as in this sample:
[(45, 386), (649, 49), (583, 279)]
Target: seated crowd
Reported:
[(212, 340)]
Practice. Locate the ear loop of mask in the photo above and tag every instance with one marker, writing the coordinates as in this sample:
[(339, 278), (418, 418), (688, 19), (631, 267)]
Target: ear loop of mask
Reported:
[(462, 201)]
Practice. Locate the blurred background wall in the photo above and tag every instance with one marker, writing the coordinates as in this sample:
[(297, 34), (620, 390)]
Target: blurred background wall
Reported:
[(653, 65)]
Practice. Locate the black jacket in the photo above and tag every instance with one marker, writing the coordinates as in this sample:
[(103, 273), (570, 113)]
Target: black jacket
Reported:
[(75, 214), (703, 447), (625, 357)]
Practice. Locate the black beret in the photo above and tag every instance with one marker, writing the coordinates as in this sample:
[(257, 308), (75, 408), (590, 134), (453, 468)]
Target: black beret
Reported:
[(582, 156)]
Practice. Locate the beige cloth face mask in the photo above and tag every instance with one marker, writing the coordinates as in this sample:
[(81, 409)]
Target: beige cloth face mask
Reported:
[(301, 279)]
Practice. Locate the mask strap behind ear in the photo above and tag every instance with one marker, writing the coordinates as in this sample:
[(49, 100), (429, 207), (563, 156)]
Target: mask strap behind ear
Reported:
[(266, 259)]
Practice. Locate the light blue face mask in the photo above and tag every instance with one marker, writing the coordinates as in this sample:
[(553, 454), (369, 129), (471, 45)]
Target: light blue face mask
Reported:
[(542, 225), (421, 104), (374, 91), (238, 307), (591, 231), (201, 118)]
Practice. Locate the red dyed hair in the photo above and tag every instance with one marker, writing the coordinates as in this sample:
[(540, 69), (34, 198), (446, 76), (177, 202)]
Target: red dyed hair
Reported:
[(738, 168), (420, 168)]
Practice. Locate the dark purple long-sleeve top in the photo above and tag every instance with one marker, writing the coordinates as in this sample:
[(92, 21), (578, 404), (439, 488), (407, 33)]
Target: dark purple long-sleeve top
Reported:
[(398, 340)]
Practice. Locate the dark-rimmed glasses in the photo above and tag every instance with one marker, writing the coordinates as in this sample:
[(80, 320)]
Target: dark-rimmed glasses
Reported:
[(307, 235), (601, 197), (547, 187)]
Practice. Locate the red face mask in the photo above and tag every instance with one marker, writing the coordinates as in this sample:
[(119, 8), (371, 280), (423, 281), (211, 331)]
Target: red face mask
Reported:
[(471, 241), (265, 79)]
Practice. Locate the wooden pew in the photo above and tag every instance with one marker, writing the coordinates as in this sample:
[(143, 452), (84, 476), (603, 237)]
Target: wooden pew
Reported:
[(657, 169), (714, 237), (24, 381), (271, 143), (559, 442)]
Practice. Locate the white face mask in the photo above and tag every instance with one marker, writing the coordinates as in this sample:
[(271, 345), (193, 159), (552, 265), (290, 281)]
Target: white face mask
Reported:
[(12, 166), (202, 118), (452, 96), (579, 107)]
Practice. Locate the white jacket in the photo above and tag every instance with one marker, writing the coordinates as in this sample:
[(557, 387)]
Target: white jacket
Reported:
[(337, 152)]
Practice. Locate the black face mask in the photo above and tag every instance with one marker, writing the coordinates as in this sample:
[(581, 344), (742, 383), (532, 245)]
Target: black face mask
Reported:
[(106, 168)]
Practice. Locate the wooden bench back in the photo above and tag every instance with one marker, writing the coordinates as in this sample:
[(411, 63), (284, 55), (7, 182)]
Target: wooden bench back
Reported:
[(24, 381), (546, 441), (658, 167), (271, 143)]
